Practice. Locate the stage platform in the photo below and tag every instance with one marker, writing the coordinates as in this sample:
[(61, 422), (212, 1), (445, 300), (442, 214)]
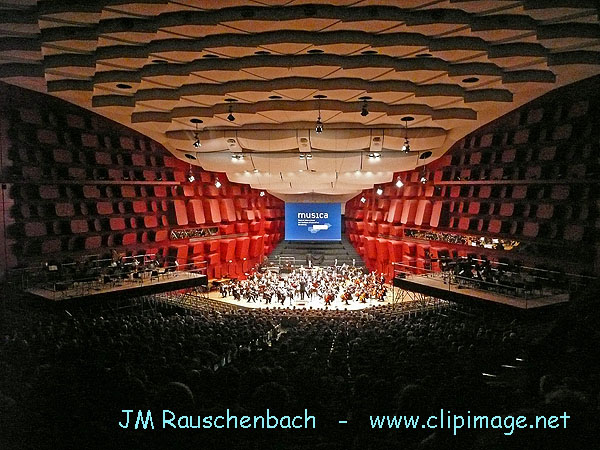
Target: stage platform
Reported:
[(314, 303), (123, 289), (435, 286)]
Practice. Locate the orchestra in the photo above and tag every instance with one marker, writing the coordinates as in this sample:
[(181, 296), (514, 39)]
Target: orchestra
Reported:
[(325, 284)]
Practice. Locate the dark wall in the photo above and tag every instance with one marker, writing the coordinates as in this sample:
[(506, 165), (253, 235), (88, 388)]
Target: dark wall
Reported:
[(77, 184), (531, 177)]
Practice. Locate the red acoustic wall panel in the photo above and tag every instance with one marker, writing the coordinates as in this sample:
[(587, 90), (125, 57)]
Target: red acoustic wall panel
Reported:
[(227, 210), (242, 247), (227, 249), (256, 246), (395, 211), (527, 180), (180, 212), (212, 211), (371, 247), (423, 214), (409, 211), (195, 212)]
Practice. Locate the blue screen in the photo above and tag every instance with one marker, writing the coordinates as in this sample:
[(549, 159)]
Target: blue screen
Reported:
[(313, 221)]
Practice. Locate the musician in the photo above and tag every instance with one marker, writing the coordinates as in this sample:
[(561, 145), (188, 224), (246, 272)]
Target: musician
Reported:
[(302, 289)]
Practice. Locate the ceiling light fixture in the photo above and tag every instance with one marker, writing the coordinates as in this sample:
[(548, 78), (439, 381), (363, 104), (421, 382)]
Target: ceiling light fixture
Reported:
[(319, 124), (262, 193), (231, 117), (379, 191), (365, 110), (423, 178), (399, 183), (197, 143), (190, 175), (363, 199), (406, 146), (365, 107), (374, 155), (218, 183)]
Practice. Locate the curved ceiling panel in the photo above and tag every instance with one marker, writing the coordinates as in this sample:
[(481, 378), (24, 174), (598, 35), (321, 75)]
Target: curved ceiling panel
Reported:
[(256, 76)]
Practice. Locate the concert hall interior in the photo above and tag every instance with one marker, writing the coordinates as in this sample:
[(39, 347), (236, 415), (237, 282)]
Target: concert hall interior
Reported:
[(354, 209)]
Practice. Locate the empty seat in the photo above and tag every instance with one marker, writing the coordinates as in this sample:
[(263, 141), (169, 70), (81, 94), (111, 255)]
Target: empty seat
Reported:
[(139, 206), (150, 221), (117, 223), (64, 209), (81, 226), (531, 229), (161, 235), (129, 239), (33, 229), (92, 242), (104, 208)]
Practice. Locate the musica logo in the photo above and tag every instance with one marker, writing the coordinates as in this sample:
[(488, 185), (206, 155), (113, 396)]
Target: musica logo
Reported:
[(313, 215)]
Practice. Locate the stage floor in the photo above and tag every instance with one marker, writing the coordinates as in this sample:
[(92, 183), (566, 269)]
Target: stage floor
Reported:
[(172, 281), (308, 303), (436, 287)]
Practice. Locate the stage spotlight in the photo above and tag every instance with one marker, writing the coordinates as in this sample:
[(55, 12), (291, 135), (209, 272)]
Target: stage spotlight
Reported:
[(379, 191), (262, 193), (363, 200), (399, 183), (217, 183)]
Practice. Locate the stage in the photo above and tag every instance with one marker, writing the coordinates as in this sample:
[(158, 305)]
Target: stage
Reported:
[(96, 291), (436, 286), (307, 303)]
